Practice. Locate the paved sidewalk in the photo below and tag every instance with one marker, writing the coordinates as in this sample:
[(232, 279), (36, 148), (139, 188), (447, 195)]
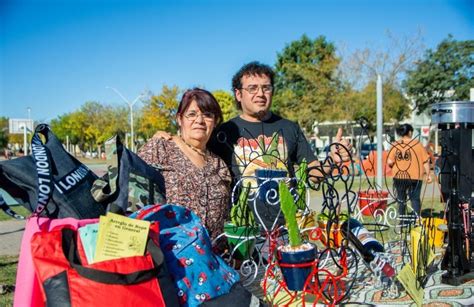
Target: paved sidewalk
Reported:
[(10, 237)]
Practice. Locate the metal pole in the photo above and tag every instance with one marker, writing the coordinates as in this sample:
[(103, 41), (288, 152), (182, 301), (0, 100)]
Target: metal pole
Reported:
[(29, 119), (132, 141), (379, 130), (25, 144)]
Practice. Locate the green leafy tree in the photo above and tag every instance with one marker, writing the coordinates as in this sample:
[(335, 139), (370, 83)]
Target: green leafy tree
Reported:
[(363, 103), (91, 125), (70, 125), (95, 122), (306, 84), (446, 73), (116, 119), (159, 112), (3, 132), (227, 104)]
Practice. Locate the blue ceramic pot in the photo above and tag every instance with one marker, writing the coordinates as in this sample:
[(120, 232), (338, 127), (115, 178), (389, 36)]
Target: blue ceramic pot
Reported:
[(296, 277), (268, 188)]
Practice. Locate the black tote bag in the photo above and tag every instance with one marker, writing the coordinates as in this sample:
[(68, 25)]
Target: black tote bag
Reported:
[(50, 182)]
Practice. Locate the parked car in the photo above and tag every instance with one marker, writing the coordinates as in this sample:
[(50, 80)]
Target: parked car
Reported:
[(365, 150), (322, 153)]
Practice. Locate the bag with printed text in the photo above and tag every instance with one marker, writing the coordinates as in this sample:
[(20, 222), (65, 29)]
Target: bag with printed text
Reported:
[(50, 182)]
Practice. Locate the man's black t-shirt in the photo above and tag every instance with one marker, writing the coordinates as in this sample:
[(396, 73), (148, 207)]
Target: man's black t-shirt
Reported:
[(276, 143)]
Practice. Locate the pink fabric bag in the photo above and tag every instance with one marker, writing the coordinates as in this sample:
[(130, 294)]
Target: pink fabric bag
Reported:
[(28, 289)]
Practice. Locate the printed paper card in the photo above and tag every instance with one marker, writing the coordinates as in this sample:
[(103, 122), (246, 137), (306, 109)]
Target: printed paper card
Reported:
[(88, 236), (120, 236)]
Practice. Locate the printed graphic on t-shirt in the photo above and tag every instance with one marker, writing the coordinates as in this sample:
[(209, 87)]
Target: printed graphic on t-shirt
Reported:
[(408, 160), (262, 152)]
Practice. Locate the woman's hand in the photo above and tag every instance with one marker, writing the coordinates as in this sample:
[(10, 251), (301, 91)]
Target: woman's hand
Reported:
[(162, 135)]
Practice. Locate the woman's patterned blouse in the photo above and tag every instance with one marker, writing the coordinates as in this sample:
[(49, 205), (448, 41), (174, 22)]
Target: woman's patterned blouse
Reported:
[(205, 190)]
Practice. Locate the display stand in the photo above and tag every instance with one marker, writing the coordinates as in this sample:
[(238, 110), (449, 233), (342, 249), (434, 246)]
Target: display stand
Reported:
[(456, 120)]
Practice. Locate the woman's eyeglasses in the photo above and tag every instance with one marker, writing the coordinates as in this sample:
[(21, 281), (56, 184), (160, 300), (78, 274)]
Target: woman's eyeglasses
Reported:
[(192, 116)]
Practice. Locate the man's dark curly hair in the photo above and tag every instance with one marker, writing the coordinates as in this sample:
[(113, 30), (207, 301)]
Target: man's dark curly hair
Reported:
[(254, 68)]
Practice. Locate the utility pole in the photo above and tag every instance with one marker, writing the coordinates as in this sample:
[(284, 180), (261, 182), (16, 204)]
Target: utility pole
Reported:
[(379, 130), (130, 105)]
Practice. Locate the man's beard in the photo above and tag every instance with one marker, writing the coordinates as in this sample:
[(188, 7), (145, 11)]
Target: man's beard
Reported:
[(261, 115)]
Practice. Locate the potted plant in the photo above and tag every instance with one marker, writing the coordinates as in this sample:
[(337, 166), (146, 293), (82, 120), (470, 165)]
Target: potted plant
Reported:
[(305, 217), (242, 230), (296, 252), (301, 175)]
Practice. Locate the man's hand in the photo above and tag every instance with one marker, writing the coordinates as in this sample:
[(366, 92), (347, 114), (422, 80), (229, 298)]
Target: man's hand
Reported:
[(162, 135), (341, 153)]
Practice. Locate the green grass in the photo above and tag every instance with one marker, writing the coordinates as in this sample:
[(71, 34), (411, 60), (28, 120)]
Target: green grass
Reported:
[(18, 209), (88, 161), (8, 265)]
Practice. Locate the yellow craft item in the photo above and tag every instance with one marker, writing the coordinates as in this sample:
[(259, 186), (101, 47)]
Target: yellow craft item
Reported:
[(435, 235)]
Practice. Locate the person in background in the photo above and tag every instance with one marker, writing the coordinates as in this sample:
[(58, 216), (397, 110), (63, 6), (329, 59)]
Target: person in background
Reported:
[(410, 164), (194, 176), (7, 153)]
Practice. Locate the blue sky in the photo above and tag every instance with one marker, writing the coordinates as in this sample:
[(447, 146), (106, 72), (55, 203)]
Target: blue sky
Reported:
[(55, 55)]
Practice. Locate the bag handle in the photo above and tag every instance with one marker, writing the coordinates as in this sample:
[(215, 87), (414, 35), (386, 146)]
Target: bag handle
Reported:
[(105, 188), (69, 245), (42, 158), (9, 211)]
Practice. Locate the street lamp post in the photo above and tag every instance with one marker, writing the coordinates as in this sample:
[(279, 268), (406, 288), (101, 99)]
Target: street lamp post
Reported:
[(25, 143), (130, 105)]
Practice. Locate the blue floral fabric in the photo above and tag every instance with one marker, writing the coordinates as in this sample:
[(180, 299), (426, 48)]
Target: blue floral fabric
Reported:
[(199, 274)]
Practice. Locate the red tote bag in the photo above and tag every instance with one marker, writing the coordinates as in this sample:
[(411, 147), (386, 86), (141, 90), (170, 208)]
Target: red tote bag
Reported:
[(27, 288), (131, 281)]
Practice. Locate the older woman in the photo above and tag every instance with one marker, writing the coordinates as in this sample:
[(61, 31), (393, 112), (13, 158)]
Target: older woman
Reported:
[(194, 177)]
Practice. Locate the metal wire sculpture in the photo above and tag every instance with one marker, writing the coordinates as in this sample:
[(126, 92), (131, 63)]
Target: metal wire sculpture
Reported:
[(336, 274)]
